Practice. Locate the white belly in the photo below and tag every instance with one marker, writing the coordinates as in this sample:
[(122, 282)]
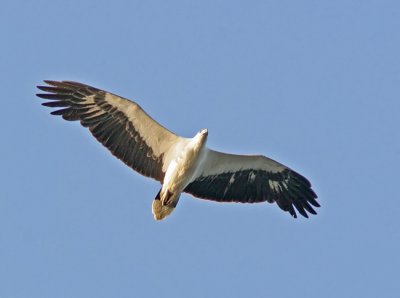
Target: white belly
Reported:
[(181, 170)]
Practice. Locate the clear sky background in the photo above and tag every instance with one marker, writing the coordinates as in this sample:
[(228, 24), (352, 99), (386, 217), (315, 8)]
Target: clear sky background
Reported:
[(312, 84)]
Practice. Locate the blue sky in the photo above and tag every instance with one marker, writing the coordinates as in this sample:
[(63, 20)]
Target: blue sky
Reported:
[(313, 84)]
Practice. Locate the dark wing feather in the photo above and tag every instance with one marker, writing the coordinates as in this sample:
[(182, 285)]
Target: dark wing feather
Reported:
[(253, 179), (118, 123)]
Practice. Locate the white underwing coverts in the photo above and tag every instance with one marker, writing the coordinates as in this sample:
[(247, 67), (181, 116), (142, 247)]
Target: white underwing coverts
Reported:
[(179, 164)]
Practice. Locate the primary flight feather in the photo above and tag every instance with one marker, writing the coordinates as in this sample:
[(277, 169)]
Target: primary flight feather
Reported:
[(180, 164)]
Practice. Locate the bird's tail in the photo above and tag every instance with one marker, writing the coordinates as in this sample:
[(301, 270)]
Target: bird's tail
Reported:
[(161, 211)]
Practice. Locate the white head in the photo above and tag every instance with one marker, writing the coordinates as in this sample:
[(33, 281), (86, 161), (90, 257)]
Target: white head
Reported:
[(201, 136), (203, 131)]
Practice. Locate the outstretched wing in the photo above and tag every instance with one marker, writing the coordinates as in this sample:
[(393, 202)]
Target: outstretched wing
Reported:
[(250, 179), (119, 124)]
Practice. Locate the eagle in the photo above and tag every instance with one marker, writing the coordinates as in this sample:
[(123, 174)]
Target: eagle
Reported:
[(179, 164)]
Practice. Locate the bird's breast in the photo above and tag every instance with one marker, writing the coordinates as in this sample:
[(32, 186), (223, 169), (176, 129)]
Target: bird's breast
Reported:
[(182, 168)]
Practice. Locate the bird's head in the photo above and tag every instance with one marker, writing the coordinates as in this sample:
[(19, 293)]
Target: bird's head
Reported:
[(204, 132), (201, 136)]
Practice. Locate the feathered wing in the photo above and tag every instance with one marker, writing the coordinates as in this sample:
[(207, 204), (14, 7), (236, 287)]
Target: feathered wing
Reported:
[(250, 179), (119, 124)]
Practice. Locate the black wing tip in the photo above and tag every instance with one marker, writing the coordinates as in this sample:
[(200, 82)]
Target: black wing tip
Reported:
[(43, 88), (51, 87), (50, 83), (67, 86), (303, 212), (46, 95), (55, 82), (314, 202), (63, 83), (302, 205), (59, 95), (292, 213), (303, 198), (299, 203), (63, 90)]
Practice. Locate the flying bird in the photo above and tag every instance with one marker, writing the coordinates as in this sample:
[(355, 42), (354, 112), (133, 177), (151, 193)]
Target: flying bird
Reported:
[(180, 164)]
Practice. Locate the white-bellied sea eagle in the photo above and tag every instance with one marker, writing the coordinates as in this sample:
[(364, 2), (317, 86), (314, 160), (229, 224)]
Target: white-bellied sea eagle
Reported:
[(180, 164)]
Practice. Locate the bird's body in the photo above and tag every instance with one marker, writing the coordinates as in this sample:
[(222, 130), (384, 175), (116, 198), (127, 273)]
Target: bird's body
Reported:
[(180, 164), (179, 174)]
